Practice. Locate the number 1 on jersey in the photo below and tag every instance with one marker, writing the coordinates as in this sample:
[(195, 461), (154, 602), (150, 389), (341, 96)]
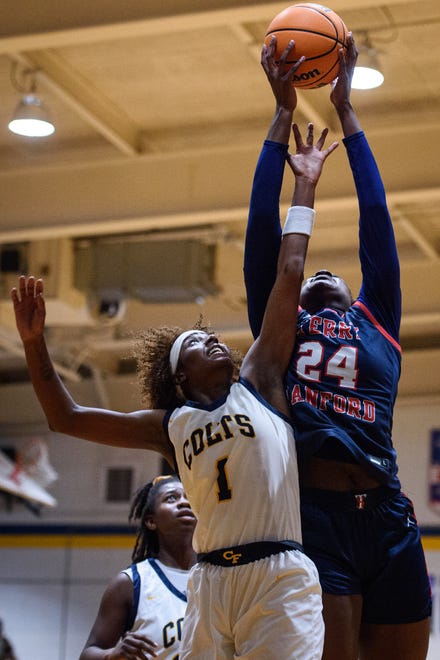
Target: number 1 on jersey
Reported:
[(224, 492)]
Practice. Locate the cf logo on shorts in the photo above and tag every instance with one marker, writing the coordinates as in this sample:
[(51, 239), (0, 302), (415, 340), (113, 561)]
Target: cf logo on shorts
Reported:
[(230, 555)]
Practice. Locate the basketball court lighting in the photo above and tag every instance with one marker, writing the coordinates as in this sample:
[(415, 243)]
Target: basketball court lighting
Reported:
[(31, 117), (367, 73)]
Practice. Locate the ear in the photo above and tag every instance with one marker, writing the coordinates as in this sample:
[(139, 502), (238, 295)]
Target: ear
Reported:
[(179, 378), (150, 524)]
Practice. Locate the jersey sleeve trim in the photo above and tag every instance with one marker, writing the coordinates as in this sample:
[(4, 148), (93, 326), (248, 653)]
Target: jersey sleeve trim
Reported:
[(376, 323), (136, 579)]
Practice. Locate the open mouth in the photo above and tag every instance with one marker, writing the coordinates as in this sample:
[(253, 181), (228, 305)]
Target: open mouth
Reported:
[(186, 514), (215, 350)]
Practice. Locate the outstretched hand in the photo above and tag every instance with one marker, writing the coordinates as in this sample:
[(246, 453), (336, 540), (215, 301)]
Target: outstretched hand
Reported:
[(341, 87), (279, 75), (29, 307), (309, 158), (133, 645)]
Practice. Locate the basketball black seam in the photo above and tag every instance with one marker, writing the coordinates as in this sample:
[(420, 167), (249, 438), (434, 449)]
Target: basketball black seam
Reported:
[(336, 42), (317, 11), (304, 30), (318, 79), (337, 39)]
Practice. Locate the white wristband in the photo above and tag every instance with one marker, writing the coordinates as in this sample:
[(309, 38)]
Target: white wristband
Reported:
[(299, 220)]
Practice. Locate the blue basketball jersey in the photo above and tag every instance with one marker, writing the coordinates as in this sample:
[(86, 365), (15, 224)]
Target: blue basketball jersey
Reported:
[(341, 385), (343, 377)]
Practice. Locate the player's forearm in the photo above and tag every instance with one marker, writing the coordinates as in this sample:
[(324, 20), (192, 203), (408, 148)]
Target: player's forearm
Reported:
[(280, 128), (349, 120), (281, 315), (263, 233), (370, 190), (304, 192), (54, 399)]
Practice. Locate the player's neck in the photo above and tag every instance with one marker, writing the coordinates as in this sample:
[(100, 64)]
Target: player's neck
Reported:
[(181, 556)]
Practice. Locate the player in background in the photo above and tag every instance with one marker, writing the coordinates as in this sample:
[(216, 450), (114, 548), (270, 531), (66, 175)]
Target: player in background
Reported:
[(253, 592), (358, 527), (142, 610), (6, 648)]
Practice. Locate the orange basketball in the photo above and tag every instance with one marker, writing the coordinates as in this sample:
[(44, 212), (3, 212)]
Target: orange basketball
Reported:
[(318, 33)]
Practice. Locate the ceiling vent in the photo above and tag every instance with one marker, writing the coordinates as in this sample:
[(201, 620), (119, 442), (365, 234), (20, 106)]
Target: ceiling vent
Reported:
[(149, 268)]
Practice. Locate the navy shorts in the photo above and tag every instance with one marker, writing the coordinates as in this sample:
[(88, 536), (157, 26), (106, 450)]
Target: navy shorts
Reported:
[(370, 545)]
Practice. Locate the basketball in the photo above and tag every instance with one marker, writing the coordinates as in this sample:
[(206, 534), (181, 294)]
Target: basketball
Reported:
[(318, 33)]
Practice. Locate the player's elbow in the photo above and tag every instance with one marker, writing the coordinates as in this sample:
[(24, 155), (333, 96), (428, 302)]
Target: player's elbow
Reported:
[(62, 420), (293, 268)]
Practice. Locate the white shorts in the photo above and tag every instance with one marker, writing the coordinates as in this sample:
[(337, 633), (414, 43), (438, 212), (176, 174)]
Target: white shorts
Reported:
[(269, 609)]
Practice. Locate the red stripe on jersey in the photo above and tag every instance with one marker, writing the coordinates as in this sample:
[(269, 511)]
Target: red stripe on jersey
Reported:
[(378, 325)]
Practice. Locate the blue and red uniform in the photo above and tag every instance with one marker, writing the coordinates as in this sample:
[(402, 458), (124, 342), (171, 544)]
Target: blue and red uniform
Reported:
[(342, 384)]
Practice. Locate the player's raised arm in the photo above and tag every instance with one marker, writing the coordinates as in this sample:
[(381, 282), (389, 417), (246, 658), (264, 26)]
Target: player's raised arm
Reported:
[(281, 81), (142, 429), (340, 94), (267, 360), (380, 289), (263, 233)]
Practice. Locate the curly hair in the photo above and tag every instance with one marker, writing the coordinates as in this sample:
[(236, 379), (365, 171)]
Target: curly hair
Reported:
[(143, 505), (152, 354)]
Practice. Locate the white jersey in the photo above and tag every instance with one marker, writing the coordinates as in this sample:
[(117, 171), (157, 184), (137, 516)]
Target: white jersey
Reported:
[(237, 462), (158, 607)]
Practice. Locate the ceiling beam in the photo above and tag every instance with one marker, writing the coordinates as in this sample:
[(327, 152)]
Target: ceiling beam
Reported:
[(425, 246), (43, 25), (80, 95), (212, 217)]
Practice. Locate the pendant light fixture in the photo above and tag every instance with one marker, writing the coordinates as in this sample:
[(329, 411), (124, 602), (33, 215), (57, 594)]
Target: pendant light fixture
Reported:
[(31, 117), (367, 73)]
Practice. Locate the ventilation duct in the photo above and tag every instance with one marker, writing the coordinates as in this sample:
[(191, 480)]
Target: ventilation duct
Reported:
[(149, 269)]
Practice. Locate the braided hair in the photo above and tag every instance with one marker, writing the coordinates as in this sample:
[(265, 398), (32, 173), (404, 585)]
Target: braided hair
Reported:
[(143, 505)]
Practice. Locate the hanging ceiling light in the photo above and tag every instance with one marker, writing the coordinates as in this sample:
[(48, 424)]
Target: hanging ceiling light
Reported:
[(31, 118), (367, 73)]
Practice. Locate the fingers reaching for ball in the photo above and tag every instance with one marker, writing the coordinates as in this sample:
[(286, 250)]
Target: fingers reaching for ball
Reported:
[(317, 34)]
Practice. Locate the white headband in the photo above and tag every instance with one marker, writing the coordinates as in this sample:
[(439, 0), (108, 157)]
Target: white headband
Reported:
[(177, 347)]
